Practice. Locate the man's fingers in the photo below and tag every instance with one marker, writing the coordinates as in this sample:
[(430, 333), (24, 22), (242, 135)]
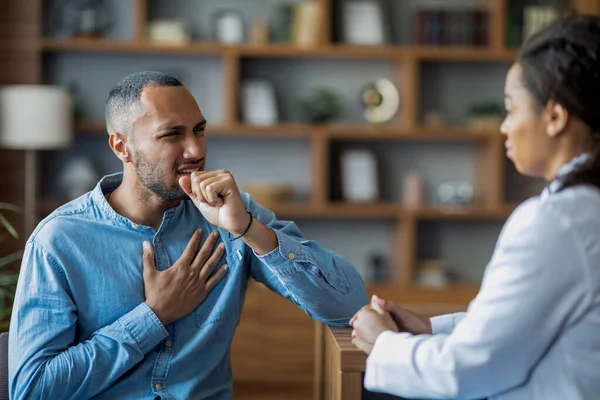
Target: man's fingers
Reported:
[(195, 181), (192, 246), (148, 259), (196, 184), (212, 282), (207, 267), (205, 251), (211, 188), (186, 184)]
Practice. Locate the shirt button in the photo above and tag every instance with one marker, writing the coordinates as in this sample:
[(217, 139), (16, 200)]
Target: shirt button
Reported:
[(291, 256), (158, 386), (134, 226), (157, 239), (168, 343)]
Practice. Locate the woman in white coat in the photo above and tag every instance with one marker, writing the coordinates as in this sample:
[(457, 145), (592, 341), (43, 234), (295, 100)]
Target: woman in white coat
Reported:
[(533, 331)]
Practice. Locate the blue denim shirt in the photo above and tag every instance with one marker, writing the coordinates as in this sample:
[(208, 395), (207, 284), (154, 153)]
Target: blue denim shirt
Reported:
[(80, 328)]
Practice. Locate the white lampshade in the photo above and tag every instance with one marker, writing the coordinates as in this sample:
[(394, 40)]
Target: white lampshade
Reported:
[(35, 117)]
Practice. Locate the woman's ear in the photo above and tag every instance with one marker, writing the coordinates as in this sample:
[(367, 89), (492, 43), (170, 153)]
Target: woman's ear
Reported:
[(118, 144), (556, 118)]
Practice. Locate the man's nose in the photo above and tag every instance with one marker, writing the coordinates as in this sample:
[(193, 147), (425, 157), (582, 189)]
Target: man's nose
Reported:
[(194, 147)]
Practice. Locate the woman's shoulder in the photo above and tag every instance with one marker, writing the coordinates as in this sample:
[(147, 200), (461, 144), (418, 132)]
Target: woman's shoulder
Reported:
[(566, 209)]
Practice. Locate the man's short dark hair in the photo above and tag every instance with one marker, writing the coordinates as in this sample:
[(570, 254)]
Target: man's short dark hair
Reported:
[(124, 97)]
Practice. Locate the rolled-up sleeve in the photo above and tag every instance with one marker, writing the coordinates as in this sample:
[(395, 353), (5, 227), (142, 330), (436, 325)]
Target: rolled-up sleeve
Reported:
[(319, 281)]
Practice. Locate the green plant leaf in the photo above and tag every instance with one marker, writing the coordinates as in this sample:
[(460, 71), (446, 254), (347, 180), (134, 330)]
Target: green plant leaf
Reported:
[(8, 281), (10, 207), (6, 293), (11, 258), (7, 225)]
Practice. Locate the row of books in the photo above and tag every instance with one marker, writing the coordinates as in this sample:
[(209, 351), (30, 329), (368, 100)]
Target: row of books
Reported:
[(524, 22), (298, 23), (301, 24), (451, 27)]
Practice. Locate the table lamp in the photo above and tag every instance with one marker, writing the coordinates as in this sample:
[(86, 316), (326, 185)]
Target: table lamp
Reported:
[(34, 117)]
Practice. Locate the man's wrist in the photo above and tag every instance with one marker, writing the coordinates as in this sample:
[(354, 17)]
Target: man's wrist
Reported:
[(260, 238), (158, 313), (244, 230)]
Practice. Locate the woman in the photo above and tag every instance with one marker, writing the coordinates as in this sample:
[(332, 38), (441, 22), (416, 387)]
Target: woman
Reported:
[(533, 331)]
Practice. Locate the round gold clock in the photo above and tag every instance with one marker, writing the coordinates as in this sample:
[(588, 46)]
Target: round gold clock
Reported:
[(380, 100)]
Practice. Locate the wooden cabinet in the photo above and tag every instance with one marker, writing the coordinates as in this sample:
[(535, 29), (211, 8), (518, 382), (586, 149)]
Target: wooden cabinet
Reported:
[(273, 352)]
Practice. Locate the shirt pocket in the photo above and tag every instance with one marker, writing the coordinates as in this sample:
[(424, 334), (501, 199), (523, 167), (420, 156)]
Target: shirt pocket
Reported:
[(333, 281), (222, 303)]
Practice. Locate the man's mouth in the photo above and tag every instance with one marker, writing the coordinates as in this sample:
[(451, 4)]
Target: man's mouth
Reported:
[(187, 171), (189, 168)]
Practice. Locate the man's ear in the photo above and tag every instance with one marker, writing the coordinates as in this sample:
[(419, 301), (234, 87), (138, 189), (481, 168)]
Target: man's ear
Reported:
[(119, 145), (556, 118)]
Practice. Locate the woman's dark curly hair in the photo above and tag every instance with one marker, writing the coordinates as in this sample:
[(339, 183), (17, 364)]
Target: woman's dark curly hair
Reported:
[(562, 63)]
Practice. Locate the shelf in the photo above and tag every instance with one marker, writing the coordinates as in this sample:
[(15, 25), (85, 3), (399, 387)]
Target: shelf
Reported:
[(453, 293), (338, 210), (454, 213), (129, 47), (393, 210), (463, 54), (296, 210), (279, 50), (417, 133), (278, 131), (452, 298), (333, 131)]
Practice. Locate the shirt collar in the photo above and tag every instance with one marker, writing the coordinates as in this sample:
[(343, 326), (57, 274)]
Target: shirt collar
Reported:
[(109, 183), (566, 168)]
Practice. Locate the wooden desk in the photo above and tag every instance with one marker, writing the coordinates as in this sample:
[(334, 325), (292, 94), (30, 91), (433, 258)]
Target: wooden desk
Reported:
[(344, 366), (339, 373)]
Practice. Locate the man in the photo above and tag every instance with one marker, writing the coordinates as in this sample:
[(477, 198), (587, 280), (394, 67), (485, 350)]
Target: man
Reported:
[(97, 316)]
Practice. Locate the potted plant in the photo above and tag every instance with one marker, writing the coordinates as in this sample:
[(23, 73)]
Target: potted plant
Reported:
[(322, 106), (486, 117), (8, 277)]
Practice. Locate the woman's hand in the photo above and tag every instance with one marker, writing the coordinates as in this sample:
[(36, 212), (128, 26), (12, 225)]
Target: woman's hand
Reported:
[(368, 324), (406, 320)]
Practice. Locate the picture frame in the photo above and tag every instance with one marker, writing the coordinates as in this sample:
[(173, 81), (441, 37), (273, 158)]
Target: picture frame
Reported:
[(360, 175), (259, 102), (229, 26), (172, 31), (364, 22)]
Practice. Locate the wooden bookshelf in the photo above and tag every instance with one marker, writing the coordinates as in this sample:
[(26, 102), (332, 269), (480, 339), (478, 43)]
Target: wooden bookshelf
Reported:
[(330, 132), (278, 50), (490, 163)]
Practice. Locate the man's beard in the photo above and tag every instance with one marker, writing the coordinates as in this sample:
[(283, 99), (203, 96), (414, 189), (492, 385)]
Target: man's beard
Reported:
[(152, 177)]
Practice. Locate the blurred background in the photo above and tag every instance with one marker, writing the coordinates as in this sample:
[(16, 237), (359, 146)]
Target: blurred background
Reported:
[(374, 124)]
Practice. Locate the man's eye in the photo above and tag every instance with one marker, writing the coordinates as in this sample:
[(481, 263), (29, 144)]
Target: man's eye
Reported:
[(199, 130), (172, 133)]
